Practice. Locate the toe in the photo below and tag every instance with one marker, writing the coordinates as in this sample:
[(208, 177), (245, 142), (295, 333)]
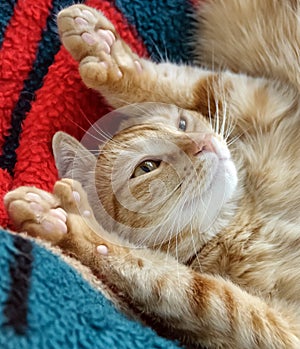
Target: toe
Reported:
[(52, 224), (106, 36), (59, 213), (20, 211), (69, 197), (81, 22), (73, 198), (88, 16), (30, 194), (89, 38)]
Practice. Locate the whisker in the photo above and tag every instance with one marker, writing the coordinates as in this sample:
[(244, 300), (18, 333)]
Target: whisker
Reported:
[(209, 109), (234, 139)]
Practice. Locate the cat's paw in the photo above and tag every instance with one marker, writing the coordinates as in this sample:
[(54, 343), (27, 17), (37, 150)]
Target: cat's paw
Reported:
[(37, 213), (92, 40), (48, 216), (73, 199)]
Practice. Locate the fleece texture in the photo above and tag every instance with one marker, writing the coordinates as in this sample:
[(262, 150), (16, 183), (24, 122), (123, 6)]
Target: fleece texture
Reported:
[(43, 302)]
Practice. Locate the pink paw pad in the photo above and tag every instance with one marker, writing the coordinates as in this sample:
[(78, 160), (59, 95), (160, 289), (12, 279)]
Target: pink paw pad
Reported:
[(35, 207), (102, 249), (119, 73), (138, 66), (107, 36), (88, 38), (33, 197), (103, 65), (57, 221), (49, 226), (76, 196), (59, 213), (81, 21), (88, 15)]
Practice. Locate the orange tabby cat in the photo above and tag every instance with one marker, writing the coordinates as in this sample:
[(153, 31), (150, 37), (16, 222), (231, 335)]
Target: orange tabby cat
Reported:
[(202, 220)]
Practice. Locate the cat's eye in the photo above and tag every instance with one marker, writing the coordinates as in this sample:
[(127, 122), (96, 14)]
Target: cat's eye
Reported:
[(145, 167), (182, 124)]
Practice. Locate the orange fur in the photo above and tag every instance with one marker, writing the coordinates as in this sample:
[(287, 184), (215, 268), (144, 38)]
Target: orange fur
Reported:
[(228, 275)]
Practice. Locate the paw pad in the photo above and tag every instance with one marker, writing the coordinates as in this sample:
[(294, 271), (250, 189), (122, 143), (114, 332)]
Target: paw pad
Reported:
[(76, 196), (102, 249), (90, 38)]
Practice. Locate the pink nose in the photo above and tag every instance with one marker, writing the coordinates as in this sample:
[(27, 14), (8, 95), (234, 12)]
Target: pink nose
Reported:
[(201, 143), (208, 146)]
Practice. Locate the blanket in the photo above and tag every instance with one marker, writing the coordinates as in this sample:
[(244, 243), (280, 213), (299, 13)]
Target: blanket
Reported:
[(44, 302)]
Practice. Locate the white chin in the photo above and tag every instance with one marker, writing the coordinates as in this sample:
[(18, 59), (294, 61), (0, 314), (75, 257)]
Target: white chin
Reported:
[(221, 190)]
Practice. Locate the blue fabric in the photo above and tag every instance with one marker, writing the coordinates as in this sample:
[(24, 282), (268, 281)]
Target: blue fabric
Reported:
[(63, 311), (6, 11), (165, 27)]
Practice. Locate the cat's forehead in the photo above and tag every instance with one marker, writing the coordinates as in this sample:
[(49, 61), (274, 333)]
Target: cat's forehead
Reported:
[(164, 114), (150, 112), (112, 125), (144, 137)]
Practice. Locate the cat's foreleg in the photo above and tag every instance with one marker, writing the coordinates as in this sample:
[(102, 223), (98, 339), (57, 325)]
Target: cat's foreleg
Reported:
[(107, 64), (204, 309)]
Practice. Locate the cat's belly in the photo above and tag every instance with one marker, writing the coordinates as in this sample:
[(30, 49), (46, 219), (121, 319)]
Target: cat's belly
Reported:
[(258, 254), (271, 165)]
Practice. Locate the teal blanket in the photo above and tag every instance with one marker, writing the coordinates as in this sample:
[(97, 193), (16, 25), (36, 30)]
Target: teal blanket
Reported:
[(45, 304)]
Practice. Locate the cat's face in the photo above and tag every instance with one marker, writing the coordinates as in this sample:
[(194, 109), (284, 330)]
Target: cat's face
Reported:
[(161, 181), (166, 179)]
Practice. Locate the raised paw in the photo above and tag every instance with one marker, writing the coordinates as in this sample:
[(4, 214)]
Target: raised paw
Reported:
[(37, 213), (49, 216), (93, 41)]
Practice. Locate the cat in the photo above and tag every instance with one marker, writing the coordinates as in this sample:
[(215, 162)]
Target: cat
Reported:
[(203, 194)]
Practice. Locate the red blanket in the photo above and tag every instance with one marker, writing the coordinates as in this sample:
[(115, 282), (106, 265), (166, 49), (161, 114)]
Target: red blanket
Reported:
[(40, 88)]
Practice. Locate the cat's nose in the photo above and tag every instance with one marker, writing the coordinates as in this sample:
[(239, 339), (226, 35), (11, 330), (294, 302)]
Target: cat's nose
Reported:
[(200, 143)]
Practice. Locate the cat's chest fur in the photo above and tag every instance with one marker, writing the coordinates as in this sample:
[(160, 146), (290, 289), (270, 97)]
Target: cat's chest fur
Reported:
[(271, 180), (256, 248), (266, 152)]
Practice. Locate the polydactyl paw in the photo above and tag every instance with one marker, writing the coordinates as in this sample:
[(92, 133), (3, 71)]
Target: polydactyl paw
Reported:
[(45, 215)]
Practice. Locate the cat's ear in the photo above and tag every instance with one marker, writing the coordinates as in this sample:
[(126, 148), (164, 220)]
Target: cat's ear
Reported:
[(72, 159)]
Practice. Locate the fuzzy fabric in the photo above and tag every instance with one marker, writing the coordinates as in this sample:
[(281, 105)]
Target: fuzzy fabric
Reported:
[(43, 302)]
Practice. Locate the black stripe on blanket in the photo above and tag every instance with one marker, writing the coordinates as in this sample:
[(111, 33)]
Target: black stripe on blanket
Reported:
[(16, 306), (6, 11), (47, 49)]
